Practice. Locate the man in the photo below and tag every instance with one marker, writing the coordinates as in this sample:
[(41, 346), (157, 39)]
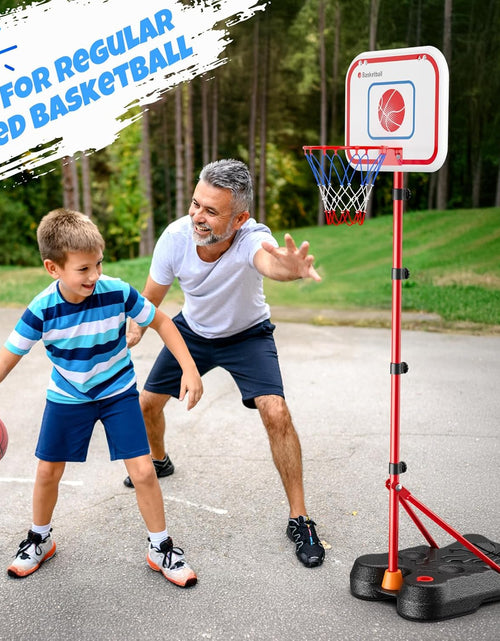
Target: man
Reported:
[(219, 254)]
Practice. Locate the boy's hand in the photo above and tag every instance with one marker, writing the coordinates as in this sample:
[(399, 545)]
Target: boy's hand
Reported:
[(134, 334), (191, 384)]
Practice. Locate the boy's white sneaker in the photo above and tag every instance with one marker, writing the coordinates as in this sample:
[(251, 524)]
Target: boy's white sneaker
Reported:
[(32, 552), (171, 563)]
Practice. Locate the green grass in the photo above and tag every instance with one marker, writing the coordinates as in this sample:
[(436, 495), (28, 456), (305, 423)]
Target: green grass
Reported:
[(18, 285), (453, 258)]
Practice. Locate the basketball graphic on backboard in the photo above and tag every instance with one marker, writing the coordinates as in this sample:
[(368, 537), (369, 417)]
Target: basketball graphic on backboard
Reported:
[(391, 110)]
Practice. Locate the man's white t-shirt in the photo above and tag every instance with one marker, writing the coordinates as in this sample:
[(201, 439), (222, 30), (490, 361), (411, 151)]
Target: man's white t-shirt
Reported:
[(221, 298)]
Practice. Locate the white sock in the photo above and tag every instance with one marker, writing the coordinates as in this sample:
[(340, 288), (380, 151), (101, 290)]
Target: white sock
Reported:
[(157, 537), (43, 530)]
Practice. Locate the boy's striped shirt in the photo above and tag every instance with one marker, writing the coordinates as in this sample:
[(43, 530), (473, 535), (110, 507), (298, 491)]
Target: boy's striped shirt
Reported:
[(86, 342)]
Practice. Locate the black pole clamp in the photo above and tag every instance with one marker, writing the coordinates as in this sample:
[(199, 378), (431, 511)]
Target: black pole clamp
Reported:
[(400, 273), (399, 368), (401, 194), (397, 468)]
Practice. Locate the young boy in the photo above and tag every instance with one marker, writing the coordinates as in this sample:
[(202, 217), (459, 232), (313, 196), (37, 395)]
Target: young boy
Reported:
[(81, 318)]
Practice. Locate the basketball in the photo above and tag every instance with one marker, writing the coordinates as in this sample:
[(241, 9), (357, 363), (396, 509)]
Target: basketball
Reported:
[(4, 439), (391, 110)]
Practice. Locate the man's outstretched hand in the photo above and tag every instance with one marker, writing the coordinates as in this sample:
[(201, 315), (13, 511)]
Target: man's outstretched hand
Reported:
[(292, 263)]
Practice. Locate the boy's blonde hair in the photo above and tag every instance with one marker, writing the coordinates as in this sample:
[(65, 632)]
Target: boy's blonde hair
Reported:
[(62, 231)]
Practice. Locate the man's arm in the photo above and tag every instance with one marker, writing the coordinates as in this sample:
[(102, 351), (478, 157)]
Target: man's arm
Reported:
[(285, 263), (155, 293)]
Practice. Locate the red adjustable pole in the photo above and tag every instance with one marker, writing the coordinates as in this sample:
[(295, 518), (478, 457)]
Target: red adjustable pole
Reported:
[(393, 578)]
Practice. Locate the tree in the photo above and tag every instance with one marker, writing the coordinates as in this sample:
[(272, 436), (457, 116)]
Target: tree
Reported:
[(442, 177), (188, 137), (86, 185), (71, 192), (324, 100), (179, 155), (336, 81), (281, 88), (147, 241), (126, 213), (215, 119), (165, 156), (262, 215), (17, 232), (252, 122), (374, 9), (205, 126)]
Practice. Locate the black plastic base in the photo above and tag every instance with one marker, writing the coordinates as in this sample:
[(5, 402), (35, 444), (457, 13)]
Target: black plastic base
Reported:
[(438, 583)]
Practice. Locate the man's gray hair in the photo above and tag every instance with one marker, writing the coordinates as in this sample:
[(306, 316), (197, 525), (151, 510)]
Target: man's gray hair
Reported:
[(233, 175)]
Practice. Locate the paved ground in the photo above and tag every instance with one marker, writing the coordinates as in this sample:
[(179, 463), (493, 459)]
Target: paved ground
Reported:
[(225, 504), (381, 318)]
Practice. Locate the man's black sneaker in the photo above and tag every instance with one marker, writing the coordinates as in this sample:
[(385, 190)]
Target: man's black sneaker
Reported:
[(163, 468), (308, 547)]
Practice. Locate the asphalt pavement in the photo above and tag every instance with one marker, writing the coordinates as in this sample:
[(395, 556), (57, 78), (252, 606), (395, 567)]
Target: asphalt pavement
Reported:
[(225, 504)]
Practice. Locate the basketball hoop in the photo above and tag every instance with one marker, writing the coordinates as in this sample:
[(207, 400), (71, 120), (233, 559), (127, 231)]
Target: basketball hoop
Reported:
[(345, 177)]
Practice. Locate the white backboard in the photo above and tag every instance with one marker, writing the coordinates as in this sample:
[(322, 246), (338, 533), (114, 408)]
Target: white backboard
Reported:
[(399, 98)]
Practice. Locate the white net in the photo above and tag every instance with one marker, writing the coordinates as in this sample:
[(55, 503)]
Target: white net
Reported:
[(345, 177)]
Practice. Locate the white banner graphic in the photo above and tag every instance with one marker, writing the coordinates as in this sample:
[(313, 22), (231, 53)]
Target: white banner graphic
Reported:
[(71, 69)]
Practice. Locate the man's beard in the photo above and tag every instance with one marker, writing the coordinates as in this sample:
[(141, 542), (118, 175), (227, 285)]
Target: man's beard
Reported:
[(212, 238)]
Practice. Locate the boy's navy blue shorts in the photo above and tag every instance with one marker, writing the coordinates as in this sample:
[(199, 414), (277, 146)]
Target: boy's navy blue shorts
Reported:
[(67, 428), (250, 357)]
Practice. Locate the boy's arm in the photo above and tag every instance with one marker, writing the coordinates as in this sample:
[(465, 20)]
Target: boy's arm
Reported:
[(285, 263), (155, 293), (170, 335), (8, 361)]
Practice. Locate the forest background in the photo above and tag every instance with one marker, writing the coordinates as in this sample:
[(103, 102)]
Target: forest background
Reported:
[(282, 87)]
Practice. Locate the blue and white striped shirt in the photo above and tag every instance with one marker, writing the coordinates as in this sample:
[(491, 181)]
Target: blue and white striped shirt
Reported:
[(86, 342)]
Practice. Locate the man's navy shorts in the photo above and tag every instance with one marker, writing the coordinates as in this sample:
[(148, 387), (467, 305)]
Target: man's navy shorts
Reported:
[(249, 356), (67, 428)]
